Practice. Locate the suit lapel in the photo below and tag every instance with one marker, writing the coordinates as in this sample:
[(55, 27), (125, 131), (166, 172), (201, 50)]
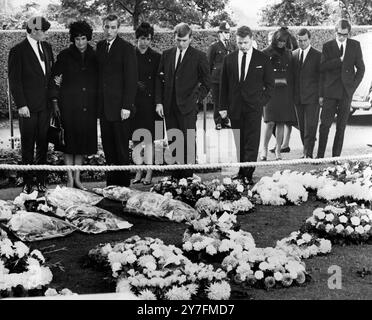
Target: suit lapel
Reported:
[(348, 50), (185, 58), (308, 57), (235, 63), (335, 48), (31, 53), (47, 58), (173, 60)]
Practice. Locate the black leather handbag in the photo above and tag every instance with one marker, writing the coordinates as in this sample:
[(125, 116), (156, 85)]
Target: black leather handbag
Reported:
[(56, 134)]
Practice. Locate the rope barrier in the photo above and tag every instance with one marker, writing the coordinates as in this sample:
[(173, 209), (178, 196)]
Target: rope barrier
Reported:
[(12, 167)]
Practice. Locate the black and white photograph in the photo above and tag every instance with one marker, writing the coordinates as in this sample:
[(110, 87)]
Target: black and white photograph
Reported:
[(208, 151)]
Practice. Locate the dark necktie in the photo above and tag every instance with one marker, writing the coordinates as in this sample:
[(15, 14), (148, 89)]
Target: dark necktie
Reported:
[(41, 53), (242, 69), (301, 58), (341, 50), (179, 60)]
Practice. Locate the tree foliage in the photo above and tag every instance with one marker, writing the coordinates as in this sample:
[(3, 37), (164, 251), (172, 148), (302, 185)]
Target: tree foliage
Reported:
[(357, 11), (166, 13), (295, 13)]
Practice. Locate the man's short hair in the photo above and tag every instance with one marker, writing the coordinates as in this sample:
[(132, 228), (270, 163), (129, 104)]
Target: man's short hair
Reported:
[(182, 30), (244, 31), (37, 23), (343, 24), (112, 17), (304, 31), (144, 30)]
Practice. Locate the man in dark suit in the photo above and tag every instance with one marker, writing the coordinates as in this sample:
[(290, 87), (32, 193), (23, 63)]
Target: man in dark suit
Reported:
[(117, 91), (183, 81), (340, 57), (216, 52), (247, 83), (29, 69), (306, 90)]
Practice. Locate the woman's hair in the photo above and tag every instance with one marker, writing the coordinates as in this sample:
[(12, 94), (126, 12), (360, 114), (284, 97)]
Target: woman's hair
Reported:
[(80, 28), (279, 35), (144, 30)]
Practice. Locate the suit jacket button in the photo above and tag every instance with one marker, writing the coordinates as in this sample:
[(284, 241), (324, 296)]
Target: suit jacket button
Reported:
[(84, 109), (150, 77), (84, 89), (149, 94)]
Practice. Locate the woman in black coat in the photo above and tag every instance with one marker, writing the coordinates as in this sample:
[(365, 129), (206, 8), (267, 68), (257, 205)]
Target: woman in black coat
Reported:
[(74, 95), (145, 115), (280, 109)]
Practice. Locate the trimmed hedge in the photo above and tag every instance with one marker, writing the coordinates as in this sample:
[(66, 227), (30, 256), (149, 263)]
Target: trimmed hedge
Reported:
[(163, 40)]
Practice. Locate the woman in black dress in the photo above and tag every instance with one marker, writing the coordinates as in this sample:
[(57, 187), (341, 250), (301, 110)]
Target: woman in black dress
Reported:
[(280, 109), (75, 98), (145, 115)]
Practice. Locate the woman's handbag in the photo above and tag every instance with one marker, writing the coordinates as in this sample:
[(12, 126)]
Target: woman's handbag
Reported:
[(56, 133)]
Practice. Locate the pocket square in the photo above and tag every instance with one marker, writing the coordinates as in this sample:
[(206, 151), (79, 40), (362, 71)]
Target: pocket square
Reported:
[(259, 67)]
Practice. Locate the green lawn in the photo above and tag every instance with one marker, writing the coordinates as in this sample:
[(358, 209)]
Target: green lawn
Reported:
[(267, 225)]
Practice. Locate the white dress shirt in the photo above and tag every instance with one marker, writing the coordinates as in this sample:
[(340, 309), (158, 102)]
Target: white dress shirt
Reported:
[(247, 61), (178, 53), (33, 44), (305, 52), (344, 45)]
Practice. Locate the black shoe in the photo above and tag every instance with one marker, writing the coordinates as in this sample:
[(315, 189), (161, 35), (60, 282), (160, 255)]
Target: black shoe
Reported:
[(218, 126), (369, 144), (41, 187), (237, 177), (226, 124), (282, 150), (248, 181), (27, 189)]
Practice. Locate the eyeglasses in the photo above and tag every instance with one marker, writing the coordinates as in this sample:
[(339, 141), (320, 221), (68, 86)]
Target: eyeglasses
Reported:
[(342, 34)]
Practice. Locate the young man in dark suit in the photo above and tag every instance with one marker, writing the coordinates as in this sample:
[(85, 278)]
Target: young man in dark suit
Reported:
[(29, 70), (183, 81), (343, 69), (117, 91), (307, 83), (247, 83), (216, 52)]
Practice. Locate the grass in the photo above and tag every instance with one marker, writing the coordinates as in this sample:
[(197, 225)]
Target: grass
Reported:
[(68, 256)]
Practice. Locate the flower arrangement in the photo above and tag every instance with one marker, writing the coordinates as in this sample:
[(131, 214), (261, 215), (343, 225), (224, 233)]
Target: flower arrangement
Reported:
[(265, 268), (152, 270), (51, 292), (21, 272), (341, 223), (282, 188), (215, 237), (304, 245), (188, 190)]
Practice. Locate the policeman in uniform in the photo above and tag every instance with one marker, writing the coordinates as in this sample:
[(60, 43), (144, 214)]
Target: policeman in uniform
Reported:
[(216, 52)]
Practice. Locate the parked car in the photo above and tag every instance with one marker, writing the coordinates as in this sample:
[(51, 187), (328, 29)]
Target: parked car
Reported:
[(362, 99)]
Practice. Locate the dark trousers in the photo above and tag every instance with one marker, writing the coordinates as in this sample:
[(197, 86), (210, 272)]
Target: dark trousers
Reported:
[(247, 133), (330, 108), (115, 143), (308, 118), (176, 120), (215, 89), (34, 131)]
